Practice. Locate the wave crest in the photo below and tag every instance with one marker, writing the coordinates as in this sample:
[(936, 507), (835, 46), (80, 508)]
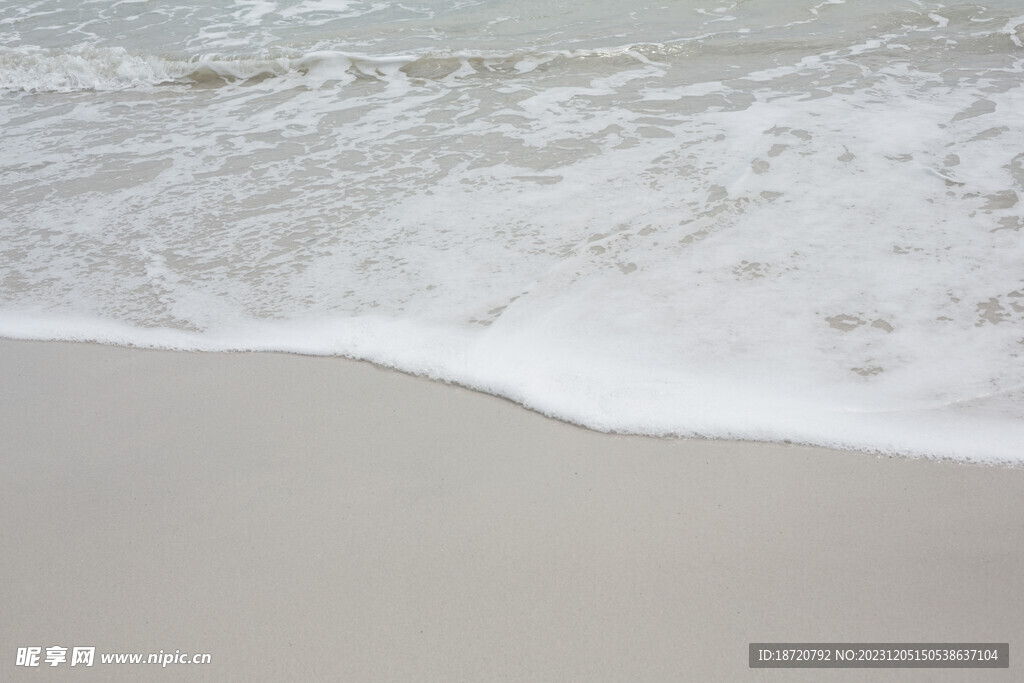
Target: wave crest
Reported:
[(82, 67), (88, 67)]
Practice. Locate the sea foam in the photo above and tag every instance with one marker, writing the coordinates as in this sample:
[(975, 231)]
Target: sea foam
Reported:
[(729, 231)]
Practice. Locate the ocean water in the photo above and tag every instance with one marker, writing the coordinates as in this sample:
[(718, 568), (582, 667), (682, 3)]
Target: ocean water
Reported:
[(789, 220)]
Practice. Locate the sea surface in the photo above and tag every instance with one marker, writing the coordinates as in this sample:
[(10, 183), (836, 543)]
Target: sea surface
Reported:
[(788, 220)]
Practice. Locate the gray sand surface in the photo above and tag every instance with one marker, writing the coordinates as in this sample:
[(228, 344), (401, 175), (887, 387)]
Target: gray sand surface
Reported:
[(317, 518)]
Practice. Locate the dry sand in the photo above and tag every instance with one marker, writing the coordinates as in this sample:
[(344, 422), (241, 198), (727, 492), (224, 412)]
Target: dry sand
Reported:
[(317, 518)]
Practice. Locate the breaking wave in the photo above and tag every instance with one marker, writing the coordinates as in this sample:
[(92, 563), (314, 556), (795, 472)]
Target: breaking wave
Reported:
[(88, 67)]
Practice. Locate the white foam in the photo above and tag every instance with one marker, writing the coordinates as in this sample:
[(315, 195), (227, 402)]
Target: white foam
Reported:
[(83, 67), (1014, 29), (636, 237)]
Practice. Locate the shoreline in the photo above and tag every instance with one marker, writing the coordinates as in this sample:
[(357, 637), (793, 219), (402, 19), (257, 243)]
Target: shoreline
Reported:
[(312, 514), (974, 457)]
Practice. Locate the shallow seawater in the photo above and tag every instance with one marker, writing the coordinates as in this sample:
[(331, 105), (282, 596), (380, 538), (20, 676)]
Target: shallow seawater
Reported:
[(794, 221)]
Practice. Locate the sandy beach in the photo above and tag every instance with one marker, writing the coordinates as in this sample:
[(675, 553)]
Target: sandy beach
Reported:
[(309, 518)]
